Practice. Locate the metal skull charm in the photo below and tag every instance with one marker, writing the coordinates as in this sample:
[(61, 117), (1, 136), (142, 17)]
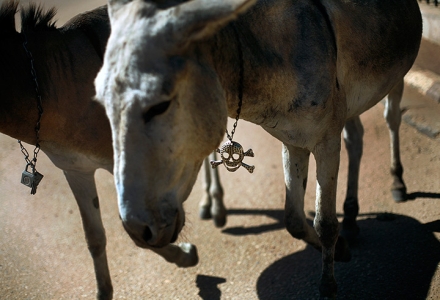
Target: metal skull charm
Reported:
[(232, 156)]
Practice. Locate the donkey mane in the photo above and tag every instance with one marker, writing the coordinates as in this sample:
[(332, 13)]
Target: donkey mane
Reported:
[(7, 16), (33, 17)]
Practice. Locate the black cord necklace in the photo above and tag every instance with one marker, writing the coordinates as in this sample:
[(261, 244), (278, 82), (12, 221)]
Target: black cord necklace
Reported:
[(231, 152), (32, 178)]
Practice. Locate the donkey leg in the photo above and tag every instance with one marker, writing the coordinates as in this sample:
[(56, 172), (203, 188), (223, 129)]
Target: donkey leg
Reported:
[(353, 134), (296, 164), (184, 255), (84, 190), (327, 155), (212, 202), (218, 209), (205, 203), (393, 117)]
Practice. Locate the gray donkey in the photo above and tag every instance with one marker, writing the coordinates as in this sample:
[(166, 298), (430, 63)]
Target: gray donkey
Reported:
[(302, 69)]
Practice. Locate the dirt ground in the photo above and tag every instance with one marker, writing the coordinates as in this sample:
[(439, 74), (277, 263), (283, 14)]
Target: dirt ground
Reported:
[(43, 254)]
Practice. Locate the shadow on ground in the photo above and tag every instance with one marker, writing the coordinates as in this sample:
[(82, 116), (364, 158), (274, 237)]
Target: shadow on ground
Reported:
[(415, 195), (276, 214), (395, 258), (208, 286)]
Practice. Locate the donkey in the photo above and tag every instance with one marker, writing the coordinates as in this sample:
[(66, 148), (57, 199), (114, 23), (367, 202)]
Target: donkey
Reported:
[(174, 70), (75, 132)]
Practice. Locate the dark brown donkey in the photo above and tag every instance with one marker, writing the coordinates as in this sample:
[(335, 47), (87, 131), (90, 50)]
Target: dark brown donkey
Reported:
[(75, 132)]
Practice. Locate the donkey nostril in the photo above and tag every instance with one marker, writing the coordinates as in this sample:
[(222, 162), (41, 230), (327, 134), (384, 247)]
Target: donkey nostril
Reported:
[(147, 234)]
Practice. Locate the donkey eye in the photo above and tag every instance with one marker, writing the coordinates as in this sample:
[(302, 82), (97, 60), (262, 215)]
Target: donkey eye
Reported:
[(155, 110)]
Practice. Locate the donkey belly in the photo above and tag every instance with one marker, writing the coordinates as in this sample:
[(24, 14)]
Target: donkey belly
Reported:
[(72, 160), (361, 95)]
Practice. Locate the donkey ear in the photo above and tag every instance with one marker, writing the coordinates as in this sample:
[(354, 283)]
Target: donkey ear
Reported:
[(199, 19)]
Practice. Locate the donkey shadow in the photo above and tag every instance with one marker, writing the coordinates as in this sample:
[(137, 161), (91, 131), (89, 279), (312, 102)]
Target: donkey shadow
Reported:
[(278, 216), (415, 195), (208, 287), (395, 258)]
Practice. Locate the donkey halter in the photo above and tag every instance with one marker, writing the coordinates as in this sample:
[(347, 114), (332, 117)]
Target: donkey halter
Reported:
[(231, 152)]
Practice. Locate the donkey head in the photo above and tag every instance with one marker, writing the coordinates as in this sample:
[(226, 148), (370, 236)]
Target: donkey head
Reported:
[(166, 108)]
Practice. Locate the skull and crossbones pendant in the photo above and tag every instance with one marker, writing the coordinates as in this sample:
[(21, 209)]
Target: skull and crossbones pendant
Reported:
[(232, 156)]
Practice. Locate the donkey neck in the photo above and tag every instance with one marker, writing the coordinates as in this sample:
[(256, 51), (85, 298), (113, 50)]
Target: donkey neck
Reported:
[(66, 64), (18, 106), (242, 61)]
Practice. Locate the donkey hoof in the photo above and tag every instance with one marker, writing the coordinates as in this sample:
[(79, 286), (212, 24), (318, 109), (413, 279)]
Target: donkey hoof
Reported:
[(220, 221), (399, 195), (190, 256), (342, 251), (328, 289), (218, 213), (105, 294), (205, 212), (350, 230)]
